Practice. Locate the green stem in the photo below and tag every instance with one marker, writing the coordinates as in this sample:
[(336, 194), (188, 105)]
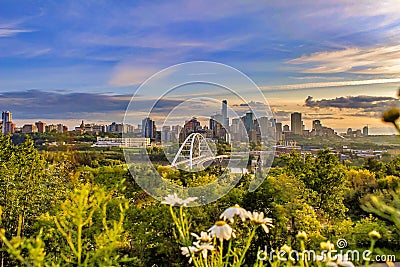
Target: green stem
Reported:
[(228, 254), (371, 248), (221, 252), (248, 243)]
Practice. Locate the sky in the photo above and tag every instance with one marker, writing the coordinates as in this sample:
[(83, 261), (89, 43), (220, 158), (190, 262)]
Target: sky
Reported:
[(64, 61)]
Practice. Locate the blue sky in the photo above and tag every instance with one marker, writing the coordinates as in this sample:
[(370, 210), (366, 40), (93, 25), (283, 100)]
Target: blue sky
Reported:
[(101, 51)]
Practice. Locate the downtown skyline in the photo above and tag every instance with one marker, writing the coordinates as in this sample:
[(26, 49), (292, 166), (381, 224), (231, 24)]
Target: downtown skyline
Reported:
[(333, 61)]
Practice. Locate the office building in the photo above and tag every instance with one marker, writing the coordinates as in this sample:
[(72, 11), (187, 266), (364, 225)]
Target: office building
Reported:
[(148, 128), (41, 126), (8, 125), (224, 112), (296, 123), (248, 121), (365, 130), (29, 128)]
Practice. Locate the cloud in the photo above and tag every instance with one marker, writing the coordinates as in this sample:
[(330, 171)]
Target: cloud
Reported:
[(34, 104), (12, 32), (374, 105), (130, 75), (328, 84), (376, 60)]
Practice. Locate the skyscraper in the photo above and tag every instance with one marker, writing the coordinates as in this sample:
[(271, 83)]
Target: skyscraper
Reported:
[(248, 121), (224, 111), (296, 123), (365, 130), (6, 116), (148, 128), (8, 126)]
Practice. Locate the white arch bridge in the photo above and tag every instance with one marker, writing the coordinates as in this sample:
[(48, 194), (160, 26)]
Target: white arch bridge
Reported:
[(194, 152)]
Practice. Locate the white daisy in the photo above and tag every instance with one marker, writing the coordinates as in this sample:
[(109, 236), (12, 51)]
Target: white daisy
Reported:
[(172, 200), (204, 248), (229, 213), (204, 237), (188, 200), (258, 218), (222, 231), (189, 251)]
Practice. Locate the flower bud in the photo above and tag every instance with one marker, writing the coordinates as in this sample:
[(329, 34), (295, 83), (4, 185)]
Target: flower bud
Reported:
[(391, 115), (374, 235), (301, 235)]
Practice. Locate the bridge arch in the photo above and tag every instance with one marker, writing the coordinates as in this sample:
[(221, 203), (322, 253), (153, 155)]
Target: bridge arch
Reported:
[(194, 148)]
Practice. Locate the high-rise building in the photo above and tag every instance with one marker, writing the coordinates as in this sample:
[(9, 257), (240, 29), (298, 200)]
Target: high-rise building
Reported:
[(8, 125), (365, 130), (248, 121), (6, 116), (41, 126), (148, 128), (115, 128), (224, 112), (166, 134), (296, 123)]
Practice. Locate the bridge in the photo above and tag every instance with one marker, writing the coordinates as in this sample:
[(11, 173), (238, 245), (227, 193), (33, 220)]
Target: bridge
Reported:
[(194, 152)]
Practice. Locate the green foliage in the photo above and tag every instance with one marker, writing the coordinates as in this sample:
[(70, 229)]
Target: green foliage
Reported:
[(86, 233)]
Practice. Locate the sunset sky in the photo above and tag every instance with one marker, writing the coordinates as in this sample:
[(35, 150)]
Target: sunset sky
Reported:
[(337, 61)]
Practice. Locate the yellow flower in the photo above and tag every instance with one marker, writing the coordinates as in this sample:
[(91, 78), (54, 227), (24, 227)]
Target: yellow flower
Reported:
[(258, 218), (229, 213), (301, 235), (222, 230), (374, 235)]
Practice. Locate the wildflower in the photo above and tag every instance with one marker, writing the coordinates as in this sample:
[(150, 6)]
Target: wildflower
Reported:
[(188, 251), (172, 200), (188, 200), (204, 248), (391, 115), (229, 213), (301, 235), (374, 235), (327, 246), (204, 237), (222, 231), (258, 218)]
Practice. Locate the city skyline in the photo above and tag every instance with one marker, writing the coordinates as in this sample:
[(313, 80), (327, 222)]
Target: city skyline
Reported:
[(297, 126), (333, 61)]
